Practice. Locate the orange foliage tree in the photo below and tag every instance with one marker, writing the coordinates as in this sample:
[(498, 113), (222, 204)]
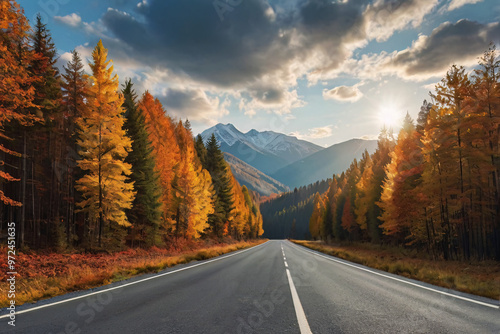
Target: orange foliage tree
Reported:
[(16, 90), (166, 150)]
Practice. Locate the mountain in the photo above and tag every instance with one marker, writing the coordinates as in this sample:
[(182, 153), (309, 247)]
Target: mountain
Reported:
[(266, 151), (253, 178), (323, 164)]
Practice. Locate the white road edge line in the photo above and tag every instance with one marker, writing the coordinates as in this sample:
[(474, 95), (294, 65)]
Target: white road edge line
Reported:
[(131, 283), (401, 280), (299, 311)]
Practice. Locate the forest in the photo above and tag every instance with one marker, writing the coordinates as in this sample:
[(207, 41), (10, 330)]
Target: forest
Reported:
[(287, 215), (86, 163), (433, 187)]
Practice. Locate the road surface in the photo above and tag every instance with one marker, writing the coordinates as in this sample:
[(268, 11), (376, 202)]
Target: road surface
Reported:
[(277, 287)]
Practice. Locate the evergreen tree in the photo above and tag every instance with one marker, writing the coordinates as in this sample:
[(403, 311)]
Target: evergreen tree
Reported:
[(74, 90), (201, 150), (74, 86), (146, 211), (218, 169), (49, 154), (48, 86), (422, 116)]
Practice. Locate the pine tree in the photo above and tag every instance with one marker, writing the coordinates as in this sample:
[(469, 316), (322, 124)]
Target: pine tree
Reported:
[(74, 86), (146, 211), (48, 141), (48, 85), (104, 147), (222, 184), (201, 150)]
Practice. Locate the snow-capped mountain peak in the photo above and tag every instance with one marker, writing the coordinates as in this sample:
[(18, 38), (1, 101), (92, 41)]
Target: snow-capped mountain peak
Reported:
[(225, 133), (269, 143)]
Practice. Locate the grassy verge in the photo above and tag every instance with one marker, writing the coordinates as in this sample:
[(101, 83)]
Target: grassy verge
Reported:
[(478, 278), (42, 276)]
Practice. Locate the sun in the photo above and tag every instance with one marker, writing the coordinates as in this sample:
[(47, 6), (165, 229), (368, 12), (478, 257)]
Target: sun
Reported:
[(389, 115)]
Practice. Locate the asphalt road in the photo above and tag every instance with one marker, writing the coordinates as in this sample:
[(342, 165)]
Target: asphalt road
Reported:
[(277, 287)]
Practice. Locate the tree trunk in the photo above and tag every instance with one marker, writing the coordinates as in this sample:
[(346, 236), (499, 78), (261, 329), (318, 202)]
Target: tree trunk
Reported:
[(23, 194)]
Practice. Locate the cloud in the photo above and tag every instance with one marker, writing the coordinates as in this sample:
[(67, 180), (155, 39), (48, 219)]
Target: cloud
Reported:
[(369, 137), (429, 56), (261, 48), (257, 54), (194, 105), (279, 102), (455, 4), (343, 93), (315, 133), (431, 86), (450, 43), (72, 20), (189, 38), (384, 17)]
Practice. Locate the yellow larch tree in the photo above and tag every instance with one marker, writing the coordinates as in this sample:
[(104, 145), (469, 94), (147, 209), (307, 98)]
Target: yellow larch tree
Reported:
[(103, 149), (317, 216), (193, 190)]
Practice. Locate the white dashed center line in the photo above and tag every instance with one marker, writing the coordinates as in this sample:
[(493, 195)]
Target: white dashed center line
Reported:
[(299, 311)]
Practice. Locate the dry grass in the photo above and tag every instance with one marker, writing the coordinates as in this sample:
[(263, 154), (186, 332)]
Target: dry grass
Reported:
[(478, 278), (43, 276)]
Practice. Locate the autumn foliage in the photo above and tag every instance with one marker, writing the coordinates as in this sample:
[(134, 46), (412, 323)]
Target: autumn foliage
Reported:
[(87, 166), (434, 187), (16, 92)]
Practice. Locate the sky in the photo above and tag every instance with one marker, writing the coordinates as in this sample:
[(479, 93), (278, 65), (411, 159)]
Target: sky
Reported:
[(324, 71)]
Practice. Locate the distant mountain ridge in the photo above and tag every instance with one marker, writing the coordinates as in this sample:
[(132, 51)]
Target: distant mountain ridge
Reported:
[(283, 161), (253, 178), (267, 151), (324, 164)]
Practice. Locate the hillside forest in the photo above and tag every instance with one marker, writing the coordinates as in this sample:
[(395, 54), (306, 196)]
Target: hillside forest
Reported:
[(287, 215), (86, 163), (434, 186)]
